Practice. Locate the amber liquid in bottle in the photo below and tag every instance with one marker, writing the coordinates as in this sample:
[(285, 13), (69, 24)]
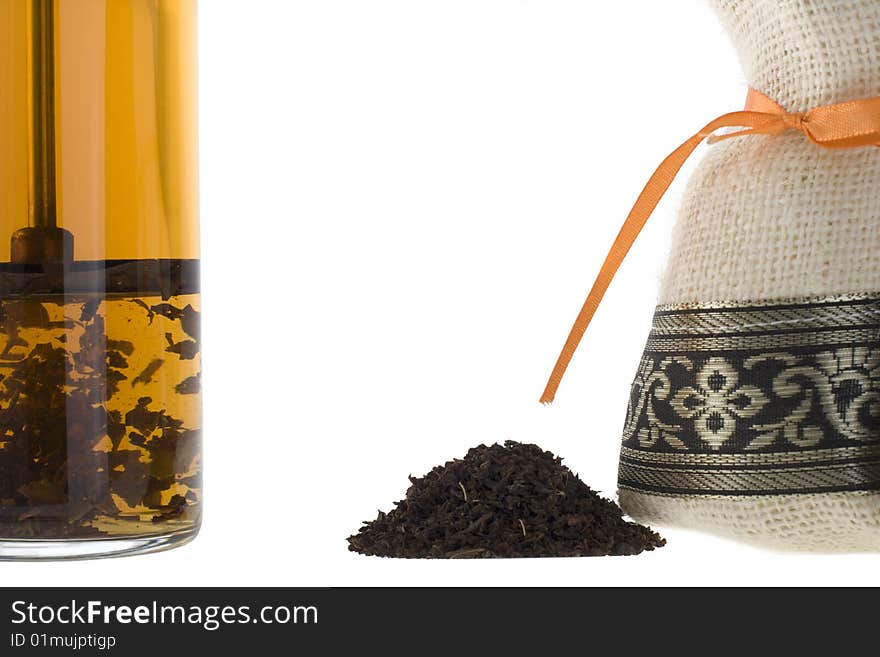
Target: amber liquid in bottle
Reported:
[(100, 346)]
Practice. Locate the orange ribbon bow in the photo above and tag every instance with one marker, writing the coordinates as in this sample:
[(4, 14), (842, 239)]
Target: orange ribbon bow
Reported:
[(845, 125)]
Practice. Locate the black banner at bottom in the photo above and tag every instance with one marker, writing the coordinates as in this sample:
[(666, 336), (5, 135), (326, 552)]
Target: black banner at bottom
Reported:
[(411, 621)]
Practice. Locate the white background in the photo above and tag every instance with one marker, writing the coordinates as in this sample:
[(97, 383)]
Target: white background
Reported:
[(404, 204)]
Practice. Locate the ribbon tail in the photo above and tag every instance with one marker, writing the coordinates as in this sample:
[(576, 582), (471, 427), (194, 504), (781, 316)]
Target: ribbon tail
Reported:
[(845, 125), (638, 216), (756, 122)]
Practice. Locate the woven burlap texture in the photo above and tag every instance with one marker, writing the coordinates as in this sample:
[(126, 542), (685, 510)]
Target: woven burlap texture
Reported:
[(767, 218), (778, 217)]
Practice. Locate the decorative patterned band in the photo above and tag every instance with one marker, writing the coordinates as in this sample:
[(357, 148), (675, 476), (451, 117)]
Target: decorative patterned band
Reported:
[(748, 399)]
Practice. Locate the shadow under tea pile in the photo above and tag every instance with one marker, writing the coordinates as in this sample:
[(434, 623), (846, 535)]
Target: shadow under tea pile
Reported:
[(514, 500)]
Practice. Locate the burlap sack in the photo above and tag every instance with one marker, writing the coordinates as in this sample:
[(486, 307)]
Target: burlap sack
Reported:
[(755, 412)]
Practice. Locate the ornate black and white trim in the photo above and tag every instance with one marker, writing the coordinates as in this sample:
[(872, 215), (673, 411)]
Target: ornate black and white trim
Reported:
[(748, 399)]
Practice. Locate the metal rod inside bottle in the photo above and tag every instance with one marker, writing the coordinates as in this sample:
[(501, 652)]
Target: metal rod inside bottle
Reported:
[(42, 241), (43, 35)]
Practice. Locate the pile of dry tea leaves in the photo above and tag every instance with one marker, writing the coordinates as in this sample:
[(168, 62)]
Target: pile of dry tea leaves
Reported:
[(514, 500)]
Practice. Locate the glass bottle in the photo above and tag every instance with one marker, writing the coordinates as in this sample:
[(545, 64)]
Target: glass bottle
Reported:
[(100, 365)]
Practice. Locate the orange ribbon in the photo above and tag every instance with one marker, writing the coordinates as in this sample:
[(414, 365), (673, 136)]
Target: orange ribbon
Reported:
[(845, 125)]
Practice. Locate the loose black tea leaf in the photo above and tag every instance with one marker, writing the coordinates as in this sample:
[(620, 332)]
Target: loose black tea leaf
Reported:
[(191, 322), (174, 509), (186, 349), (150, 314), (146, 375), (122, 346), (514, 500), (89, 308), (192, 385), (167, 310)]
